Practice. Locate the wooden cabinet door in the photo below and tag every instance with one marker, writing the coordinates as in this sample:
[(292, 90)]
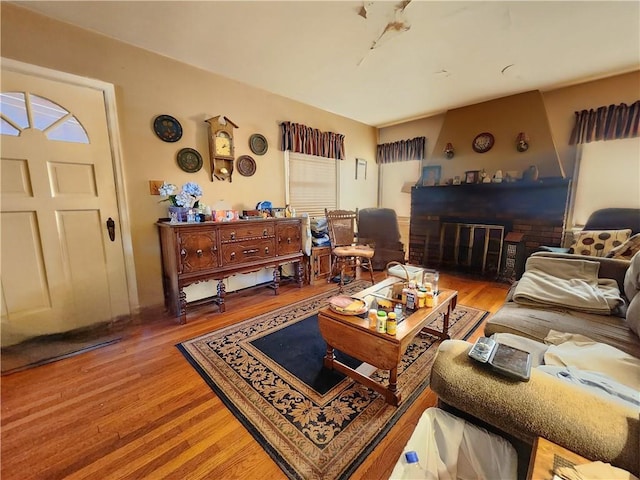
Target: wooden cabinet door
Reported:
[(320, 263), (198, 250), (289, 237)]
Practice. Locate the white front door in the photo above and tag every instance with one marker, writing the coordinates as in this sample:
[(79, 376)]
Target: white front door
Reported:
[(60, 269)]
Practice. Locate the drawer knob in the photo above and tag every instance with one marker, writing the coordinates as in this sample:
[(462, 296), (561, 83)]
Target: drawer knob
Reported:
[(264, 232), (233, 255), (288, 239), (199, 252), (183, 252), (266, 250)]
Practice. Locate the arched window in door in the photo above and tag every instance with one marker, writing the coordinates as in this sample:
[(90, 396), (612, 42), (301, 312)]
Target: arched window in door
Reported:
[(20, 111)]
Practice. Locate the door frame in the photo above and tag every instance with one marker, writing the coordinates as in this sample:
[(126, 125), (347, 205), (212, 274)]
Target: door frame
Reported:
[(115, 143)]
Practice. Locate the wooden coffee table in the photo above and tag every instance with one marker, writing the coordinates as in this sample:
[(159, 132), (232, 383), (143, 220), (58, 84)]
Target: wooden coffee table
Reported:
[(352, 335)]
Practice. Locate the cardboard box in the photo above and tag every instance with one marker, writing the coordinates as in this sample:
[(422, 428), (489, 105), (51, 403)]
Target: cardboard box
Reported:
[(225, 215)]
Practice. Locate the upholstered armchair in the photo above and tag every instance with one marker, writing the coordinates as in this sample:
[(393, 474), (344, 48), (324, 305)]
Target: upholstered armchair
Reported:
[(379, 227)]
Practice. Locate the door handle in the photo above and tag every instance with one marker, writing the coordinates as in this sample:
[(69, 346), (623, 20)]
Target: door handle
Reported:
[(111, 228)]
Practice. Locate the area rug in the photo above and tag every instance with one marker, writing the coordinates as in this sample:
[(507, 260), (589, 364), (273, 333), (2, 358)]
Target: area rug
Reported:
[(315, 423)]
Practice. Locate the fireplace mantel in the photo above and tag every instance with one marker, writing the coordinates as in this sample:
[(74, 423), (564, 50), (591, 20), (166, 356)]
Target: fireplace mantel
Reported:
[(535, 209)]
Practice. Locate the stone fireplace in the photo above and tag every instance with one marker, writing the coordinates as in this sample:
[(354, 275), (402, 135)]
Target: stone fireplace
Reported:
[(463, 227)]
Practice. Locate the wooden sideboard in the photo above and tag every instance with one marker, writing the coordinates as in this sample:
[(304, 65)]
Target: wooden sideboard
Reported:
[(196, 252)]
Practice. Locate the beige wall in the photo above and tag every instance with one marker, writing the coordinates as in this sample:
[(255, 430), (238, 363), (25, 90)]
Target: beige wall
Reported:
[(148, 85), (560, 106), (562, 103)]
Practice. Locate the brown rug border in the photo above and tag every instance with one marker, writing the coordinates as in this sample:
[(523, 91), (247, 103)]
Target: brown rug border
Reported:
[(227, 391)]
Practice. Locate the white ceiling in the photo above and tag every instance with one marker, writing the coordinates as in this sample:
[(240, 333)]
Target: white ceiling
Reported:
[(320, 53)]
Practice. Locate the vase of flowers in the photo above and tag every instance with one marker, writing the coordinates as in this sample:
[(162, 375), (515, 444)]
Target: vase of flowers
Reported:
[(181, 202)]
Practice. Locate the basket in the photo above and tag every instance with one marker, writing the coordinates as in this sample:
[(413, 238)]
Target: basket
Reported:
[(396, 288)]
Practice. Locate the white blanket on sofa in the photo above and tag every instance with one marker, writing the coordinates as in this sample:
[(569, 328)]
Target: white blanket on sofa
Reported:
[(568, 283)]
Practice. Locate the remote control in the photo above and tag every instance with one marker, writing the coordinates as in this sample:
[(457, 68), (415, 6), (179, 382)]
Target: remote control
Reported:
[(482, 349)]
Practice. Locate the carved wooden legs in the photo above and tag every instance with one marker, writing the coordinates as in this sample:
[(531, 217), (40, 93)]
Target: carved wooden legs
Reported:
[(299, 275), (221, 292), (182, 306), (329, 357)]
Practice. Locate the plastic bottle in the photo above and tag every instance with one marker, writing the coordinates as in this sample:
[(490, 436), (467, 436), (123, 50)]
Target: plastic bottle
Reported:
[(412, 297), (422, 294), (373, 318), (429, 299), (391, 323), (397, 309), (413, 468), (382, 322)]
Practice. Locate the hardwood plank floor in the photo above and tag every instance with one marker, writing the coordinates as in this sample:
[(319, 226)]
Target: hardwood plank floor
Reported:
[(137, 409)]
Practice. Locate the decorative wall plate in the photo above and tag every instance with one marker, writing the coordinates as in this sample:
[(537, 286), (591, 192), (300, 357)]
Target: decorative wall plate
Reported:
[(189, 160), (483, 142), (167, 128), (246, 165), (258, 144)]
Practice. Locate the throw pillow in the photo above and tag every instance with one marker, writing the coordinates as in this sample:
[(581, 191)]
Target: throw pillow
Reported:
[(627, 250), (597, 243), (632, 291)]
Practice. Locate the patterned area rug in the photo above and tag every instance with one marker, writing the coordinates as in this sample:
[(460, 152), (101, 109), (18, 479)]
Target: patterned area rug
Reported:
[(308, 433)]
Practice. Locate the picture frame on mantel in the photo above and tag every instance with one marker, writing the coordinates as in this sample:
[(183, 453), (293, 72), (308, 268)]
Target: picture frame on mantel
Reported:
[(472, 176), (431, 175)]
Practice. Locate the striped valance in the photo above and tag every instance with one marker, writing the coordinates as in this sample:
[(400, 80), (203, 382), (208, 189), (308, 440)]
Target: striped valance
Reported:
[(401, 151), (606, 123), (302, 139)]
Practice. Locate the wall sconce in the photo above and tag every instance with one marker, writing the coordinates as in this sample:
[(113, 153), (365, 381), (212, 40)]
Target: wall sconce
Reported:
[(522, 142), (448, 150)]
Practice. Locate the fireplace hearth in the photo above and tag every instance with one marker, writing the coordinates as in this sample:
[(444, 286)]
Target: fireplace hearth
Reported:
[(463, 227)]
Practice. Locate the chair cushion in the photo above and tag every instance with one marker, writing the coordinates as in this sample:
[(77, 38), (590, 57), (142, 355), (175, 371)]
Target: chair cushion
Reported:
[(354, 251), (598, 243)]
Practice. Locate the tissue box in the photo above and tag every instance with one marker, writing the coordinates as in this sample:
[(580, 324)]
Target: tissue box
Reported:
[(225, 215)]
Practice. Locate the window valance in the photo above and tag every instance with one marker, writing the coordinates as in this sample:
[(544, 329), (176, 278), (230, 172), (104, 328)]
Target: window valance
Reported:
[(606, 123), (401, 151), (311, 141)]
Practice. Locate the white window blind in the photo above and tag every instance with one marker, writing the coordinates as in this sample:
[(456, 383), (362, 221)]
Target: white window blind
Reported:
[(312, 183)]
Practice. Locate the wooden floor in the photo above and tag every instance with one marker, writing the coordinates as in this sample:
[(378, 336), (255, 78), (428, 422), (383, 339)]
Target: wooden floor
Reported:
[(137, 409)]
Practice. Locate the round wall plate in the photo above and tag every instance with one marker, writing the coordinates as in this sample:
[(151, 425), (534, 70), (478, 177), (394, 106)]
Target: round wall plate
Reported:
[(189, 160), (258, 144), (167, 128), (483, 142), (246, 165)]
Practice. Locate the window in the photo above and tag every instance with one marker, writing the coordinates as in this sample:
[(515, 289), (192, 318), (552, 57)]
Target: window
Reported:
[(607, 177), (312, 183), (19, 111)]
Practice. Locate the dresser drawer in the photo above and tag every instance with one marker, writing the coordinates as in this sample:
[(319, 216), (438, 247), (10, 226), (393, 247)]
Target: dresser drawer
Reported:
[(248, 251), (197, 251), (232, 233)]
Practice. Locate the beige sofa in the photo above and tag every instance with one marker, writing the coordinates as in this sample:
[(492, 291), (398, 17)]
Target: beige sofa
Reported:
[(546, 406)]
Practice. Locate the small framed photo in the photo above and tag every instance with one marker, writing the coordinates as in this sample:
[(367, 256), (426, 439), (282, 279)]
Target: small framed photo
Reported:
[(431, 175), (456, 180), (471, 176), (361, 168)]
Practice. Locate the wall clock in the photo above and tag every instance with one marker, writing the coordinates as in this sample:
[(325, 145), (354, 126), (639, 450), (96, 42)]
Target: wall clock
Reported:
[(221, 147), (483, 142)]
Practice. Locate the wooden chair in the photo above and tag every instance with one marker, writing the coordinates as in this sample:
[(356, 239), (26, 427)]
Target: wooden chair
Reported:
[(345, 252)]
